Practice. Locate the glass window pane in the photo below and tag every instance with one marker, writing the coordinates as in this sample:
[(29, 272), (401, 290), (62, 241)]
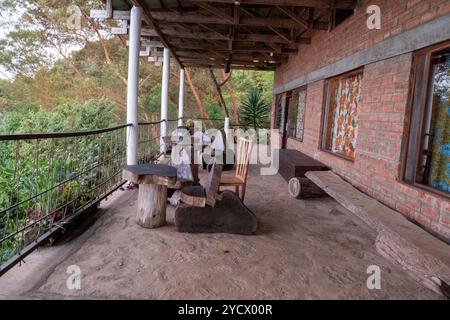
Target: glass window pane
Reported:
[(292, 126), (434, 169)]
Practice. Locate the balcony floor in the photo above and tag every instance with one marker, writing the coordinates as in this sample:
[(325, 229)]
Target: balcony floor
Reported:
[(303, 250)]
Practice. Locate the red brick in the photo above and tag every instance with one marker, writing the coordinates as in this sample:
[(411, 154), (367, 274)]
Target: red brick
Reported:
[(382, 118)]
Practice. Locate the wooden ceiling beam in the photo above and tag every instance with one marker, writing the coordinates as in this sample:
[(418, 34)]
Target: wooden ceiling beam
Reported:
[(221, 66), (215, 11), (326, 4), (239, 56), (222, 62), (253, 37), (295, 17), (236, 50), (177, 17), (152, 22)]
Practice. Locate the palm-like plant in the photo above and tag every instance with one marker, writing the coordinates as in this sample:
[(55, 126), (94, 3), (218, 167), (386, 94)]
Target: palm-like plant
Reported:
[(255, 110)]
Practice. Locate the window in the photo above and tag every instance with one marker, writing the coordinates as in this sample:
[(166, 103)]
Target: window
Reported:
[(290, 113), (428, 154), (297, 107), (340, 125), (280, 112)]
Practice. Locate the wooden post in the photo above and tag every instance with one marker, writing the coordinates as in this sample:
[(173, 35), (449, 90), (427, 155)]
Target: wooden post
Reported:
[(152, 204)]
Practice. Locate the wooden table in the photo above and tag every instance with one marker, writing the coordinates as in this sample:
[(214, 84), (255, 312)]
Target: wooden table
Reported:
[(293, 167), (153, 180)]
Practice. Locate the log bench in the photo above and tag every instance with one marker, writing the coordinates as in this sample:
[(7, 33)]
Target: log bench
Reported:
[(153, 180), (293, 167), (399, 240)]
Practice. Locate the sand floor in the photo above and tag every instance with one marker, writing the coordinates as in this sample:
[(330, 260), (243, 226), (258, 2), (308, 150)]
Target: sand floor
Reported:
[(303, 250)]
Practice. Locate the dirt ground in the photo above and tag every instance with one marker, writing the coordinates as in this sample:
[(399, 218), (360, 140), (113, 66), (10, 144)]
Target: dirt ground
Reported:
[(303, 250)]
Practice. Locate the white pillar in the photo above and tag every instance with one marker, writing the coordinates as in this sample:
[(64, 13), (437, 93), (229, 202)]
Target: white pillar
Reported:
[(165, 97), (133, 84), (181, 99), (226, 125)]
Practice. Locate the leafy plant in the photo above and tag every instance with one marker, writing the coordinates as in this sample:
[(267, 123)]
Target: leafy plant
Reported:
[(255, 110)]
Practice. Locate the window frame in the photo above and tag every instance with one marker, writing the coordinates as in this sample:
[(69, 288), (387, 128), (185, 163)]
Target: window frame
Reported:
[(417, 106), (326, 110), (297, 92)]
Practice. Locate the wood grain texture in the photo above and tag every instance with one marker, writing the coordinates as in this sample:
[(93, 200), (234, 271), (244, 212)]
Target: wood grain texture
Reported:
[(152, 204), (303, 188), (212, 185), (229, 215), (294, 164), (244, 151), (151, 174), (193, 196), (399, 240)]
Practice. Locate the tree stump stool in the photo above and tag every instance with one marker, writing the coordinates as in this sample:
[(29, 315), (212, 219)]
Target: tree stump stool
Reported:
[(153, 181)]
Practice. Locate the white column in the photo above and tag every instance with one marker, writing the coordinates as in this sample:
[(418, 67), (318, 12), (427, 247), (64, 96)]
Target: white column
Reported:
[(181, 99), (165, 97), (133, 84), (226, 125)]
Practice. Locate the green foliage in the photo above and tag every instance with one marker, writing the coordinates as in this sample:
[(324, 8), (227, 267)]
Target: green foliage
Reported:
[(30, 167), (214, 109), (263, 80), (75, 80), (255, 110), (70, 116)]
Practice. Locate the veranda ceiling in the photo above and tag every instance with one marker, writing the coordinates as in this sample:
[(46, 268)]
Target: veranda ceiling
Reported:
[(246, 34)]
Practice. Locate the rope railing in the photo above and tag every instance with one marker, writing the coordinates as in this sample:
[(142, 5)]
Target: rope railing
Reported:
[(48, 179)]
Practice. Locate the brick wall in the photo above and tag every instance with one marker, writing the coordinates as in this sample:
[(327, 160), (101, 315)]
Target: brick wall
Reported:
[(382, 116), (353, 35)]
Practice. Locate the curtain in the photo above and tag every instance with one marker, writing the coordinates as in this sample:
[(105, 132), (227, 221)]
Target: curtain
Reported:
[(345, 101), (439, 172)]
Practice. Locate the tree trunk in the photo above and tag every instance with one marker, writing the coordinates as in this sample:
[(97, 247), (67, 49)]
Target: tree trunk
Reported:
[(200, 104), (219, 91), (152, 204), (234, 103)]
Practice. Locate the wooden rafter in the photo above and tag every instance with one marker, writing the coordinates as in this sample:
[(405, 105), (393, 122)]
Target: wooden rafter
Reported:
[(196, 17), (149, 19), (339, 4), (215, 11), (255, 34), (295, 17)]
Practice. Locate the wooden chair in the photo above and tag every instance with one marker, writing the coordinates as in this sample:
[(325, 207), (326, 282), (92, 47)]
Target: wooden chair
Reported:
[(239, 180), (197, 196)]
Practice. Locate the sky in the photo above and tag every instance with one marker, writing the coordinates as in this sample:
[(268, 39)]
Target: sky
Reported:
[(5, 27)]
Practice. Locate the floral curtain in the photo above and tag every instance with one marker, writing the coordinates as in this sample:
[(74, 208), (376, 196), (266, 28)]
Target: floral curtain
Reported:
[(344, 101)]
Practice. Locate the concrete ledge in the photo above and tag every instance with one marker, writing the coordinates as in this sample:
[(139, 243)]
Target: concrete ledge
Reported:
[(430, 33), (399, 240)]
